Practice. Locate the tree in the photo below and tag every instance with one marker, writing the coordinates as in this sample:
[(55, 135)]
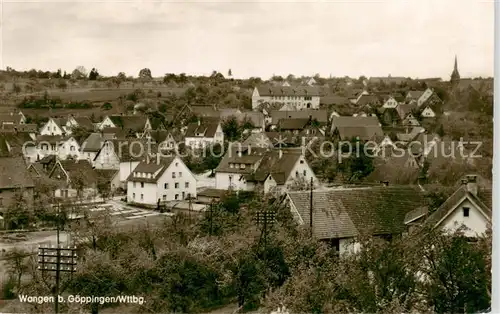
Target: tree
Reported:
[(93, 75), (16, 88), (231, 128), (62, 84), (16, 263), (145, 74), (229, 73), (212, 157), (79, 73)]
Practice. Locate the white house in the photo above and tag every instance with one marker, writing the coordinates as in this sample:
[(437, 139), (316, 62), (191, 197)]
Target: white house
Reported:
[(204, 133), (390, 103), (469, 207), (428, 113), (53, 127), (300, 97), (76, 179), (247, 168), (68, 147), (340, 215), (106, 157), (161, 179)]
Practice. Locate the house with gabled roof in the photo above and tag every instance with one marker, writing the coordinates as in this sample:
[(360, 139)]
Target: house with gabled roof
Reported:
[(12, 118), (414, 95), (260, 140), (15, 179), (204, 133), (249, 168), (319, 115), (160, 179), (390, 102), (53, 127), (364, 128), (340, 215), (468, 208), (301, 97), (427, 112), (368, 99), (405, 112), (61, 146), (135, 123), (80, 122), (92, 144), (76, 178)]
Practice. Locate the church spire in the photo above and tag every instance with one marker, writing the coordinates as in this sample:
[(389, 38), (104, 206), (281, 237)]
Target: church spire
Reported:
[(455, 76)]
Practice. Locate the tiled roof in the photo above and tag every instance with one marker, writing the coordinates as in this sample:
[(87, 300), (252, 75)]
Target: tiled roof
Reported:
[(9, 118), (93, 143), (405, 109), (135, 123), (288, 91), (279, 168), (249, 156), (366, 128), (106, 174), (214, 193), (367, 100), (319, 115), (258, 140), (14, 173), (415, 94), (379, 210), (132, 149), (153, 169), (79, 170), (207, 127), (334, 100), (293, 124), (84, 122), (51, 139)]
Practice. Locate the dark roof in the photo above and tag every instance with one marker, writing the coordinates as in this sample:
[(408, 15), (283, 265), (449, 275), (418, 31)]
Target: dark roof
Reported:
[(388, 79), (51, 139), (379, 210), (131, 149), (293, 124), (150, 169), (279, 168), (249, 156), (367, 100), (288, 90), (78, 170), (106, 174), (319, 115), (9, 118), (14, 173), (366, 128), (84, 122), (214, 193), (258, 140), (334, 100), (93, 143), (135, 123), (415, 94), (405, 109), (206, 127)]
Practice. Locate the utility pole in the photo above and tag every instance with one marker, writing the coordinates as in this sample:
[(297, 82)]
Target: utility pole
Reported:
[(210, 217), (50, 260), (266, 218), (311, 210)]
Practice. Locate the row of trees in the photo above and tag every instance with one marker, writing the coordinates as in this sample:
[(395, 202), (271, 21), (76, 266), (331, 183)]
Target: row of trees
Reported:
[(194, 265)]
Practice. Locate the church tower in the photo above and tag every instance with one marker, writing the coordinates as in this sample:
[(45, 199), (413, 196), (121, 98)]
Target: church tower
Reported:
[(455, 76)]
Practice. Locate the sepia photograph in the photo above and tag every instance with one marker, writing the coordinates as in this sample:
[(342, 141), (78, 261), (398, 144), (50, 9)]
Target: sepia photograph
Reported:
[(260, 157)]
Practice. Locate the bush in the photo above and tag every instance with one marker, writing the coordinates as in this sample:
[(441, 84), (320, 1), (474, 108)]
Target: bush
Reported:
[(8, 286)]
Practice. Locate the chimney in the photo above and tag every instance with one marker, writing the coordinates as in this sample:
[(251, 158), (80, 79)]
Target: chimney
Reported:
[(280, 153), (471, 184), (158, 158), (239, 152), (199, 122), (147, 158)]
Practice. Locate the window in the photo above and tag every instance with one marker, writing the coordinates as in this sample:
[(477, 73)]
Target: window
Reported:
[(305, 173), (133, 184), (72, 148), (186, 185), (173, 175), (133, 196), (242, 166), (466, 211), (142, 197), (176, 196), (296, 173), (164, 197), (53, 147), (142, 184), (183, 195), (176, 164), (166, 186), (176, 185), (231, 165), (301, 161), (180, 174)]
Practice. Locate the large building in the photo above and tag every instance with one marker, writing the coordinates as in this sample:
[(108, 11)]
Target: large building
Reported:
[(300, 97)]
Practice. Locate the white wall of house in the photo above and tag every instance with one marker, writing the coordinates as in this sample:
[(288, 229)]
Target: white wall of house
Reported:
[(141, 192), (202, 142), (106, 123), (126, 167), (348, 245), (301, 171), (107, 158), (428, 113), (390, 103), (51, 128), (270, 184), (90, 156), (299, 102), (87, 193), (476, 223), (69, 148)]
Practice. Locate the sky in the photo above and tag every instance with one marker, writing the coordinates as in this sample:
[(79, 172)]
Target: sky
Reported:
[(411, 38)]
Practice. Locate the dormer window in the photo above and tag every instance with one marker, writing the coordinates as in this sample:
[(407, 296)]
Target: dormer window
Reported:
[(242, 166), (231, 165)]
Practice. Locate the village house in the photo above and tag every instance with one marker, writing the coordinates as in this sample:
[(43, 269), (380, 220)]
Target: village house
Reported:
[(15, 182), (260, 140), (390, 116), (341, 215), (469, 208), (53, 127), (12, 118), (319, 115), (368, 99), (414, 95), (390, 102), (92, 144), (428, 112), (300, 97), (165, 140), (302, 127), (58, 145), (108, 180), (334, 100), (204, 133), (160, 180), (250, 168), (362, 128), (76, 179), (406, 115), (136, 124), (78, 122), (18, 144)]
